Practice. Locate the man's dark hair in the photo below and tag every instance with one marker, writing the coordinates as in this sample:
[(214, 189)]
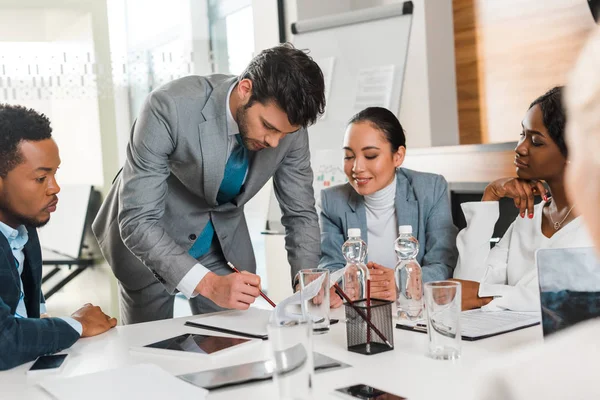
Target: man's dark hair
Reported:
[(385, 121), (17, 124), (291, 79), (554, 116)]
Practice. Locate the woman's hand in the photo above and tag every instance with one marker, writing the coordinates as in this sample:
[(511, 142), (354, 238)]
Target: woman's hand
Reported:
[(520, 190), (383, 284), (335, 300), (470, 295)]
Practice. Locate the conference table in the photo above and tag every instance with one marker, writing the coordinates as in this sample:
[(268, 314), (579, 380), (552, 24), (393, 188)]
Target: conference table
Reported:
[(405, 371)]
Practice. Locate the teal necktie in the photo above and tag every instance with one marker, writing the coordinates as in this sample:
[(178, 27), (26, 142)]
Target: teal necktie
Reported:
[(233, 178)]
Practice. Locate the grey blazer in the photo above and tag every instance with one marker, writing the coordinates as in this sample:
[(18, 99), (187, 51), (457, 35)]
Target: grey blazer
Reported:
[(421, 201), (168, 188)]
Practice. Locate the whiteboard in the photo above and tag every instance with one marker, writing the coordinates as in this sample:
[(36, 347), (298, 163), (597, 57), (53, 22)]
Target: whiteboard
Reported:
[(64, 233), (351, 48), (363, 58)]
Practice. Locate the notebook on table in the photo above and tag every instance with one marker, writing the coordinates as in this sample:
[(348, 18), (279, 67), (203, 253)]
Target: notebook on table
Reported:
[(478, 324)]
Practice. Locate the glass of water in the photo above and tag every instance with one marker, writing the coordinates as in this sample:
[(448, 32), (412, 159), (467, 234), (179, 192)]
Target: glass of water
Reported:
[(316, 308), (292, 358), (442, 307)]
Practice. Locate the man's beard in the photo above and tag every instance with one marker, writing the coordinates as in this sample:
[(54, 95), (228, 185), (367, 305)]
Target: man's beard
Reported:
[(243, 124), (21, 219)]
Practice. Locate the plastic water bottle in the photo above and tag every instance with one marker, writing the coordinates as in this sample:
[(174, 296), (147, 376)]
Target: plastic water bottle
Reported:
[(354, 281), (409, 282)]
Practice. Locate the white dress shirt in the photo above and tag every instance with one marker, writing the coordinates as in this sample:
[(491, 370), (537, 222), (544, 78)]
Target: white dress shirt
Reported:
[(188, 284), (382, 225), (508, 271)]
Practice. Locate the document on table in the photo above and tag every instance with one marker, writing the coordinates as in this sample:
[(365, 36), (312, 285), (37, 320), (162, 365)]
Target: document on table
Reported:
[(478, 324), (250, 323), (141, 381)]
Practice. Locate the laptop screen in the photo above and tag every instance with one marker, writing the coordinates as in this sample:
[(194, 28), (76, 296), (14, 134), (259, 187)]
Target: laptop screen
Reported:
[(569, 286)]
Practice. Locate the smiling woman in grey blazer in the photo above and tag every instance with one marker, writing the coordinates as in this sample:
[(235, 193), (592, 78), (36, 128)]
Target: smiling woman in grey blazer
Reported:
[(380, 196)]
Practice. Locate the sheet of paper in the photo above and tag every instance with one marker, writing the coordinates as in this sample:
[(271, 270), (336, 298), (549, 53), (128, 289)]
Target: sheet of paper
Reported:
[(475, 323), (253, 320), (374, 87), (336, 276), (282, 313), (141, 381)]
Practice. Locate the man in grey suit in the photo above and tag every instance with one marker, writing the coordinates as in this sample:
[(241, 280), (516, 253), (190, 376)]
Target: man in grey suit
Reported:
[(199, 150)]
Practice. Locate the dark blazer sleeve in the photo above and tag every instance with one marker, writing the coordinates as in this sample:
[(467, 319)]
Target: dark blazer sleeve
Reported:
[(440, 255), (332, 237), (24, 339)]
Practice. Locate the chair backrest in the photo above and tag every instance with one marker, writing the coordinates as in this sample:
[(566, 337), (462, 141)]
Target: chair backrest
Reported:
[(70, 225)]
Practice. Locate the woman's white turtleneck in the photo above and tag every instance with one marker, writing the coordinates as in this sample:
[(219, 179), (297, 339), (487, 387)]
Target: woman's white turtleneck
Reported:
[(382, 225)]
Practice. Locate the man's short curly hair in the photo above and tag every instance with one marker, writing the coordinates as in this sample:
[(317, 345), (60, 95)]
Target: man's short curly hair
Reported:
[(18, 123)]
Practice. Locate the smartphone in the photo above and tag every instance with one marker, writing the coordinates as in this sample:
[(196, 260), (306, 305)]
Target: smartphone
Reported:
[(366, 392), (53, 363)]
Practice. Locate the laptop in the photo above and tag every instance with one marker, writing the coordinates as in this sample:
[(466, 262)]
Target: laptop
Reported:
[(569, 286)]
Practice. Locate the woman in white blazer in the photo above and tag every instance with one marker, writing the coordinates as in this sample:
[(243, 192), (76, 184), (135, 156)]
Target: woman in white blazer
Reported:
[(505, 277), (565, 361)]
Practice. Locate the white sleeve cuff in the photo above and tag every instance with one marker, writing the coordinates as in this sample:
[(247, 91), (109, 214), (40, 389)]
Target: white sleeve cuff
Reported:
[(188, 284), (492, 290), (43, 309), (74, 324), (489, 210)]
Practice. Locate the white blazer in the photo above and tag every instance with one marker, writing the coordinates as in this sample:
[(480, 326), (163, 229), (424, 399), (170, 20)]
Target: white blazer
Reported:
[(508, 271)]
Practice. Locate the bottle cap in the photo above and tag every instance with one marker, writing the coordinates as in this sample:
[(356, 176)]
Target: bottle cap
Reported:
[(353, 232), (405, 229)]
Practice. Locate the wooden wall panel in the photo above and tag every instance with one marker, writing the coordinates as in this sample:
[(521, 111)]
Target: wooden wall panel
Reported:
[(524, 47), (470, 115), (472, 163)]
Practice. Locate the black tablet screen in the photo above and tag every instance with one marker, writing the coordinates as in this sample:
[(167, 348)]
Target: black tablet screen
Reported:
[(197, 343)]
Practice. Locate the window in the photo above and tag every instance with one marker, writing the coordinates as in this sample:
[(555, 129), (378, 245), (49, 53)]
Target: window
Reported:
[(231, 35)]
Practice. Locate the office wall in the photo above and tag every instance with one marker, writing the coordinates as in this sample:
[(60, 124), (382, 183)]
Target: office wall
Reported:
[(508, 53), (428, 109)]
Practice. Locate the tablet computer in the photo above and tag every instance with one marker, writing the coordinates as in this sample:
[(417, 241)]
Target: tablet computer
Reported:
[(194, 345)]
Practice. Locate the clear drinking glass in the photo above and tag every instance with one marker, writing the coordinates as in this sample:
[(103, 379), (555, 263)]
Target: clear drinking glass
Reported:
[(317, 308), (442, 307), (292, 358)]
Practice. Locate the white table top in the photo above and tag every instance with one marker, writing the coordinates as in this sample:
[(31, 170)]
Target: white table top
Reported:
[(405, 371)]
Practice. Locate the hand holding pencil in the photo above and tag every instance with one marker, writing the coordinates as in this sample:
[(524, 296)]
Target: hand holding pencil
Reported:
[(264, 296), (235, 291)]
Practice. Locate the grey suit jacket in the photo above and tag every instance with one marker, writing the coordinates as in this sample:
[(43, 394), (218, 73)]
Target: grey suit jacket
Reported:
[(421, 201), (168, 188)]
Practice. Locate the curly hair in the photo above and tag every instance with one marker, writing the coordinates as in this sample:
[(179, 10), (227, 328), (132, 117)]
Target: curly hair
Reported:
[(554, 116), (18, 123)]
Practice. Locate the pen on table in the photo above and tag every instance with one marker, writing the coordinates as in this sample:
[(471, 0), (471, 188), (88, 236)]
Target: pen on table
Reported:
[(264, 296)]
